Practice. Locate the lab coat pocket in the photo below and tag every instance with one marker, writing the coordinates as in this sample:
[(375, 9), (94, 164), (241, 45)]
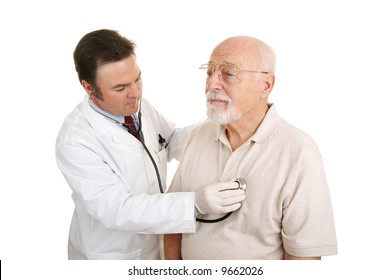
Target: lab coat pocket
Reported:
[(134, 255)]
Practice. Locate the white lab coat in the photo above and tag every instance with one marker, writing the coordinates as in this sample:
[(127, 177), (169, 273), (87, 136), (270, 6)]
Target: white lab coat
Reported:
[(119, 210)]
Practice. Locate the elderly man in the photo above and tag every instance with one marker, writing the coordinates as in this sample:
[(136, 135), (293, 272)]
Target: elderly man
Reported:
[(288, 212)]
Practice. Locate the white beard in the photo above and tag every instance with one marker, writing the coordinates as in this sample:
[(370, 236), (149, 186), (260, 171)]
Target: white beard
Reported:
[(219, 114)]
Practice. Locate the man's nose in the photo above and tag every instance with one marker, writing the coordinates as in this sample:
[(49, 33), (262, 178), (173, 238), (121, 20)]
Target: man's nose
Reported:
[(214, 81), (133, 90)]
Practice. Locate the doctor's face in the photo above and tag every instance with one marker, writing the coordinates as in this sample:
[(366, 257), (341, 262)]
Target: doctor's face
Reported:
[(120, 86)]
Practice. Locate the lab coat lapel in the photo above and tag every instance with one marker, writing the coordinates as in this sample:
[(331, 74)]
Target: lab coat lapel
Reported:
[(102, 125)]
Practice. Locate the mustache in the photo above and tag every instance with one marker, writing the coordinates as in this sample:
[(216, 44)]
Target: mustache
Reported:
[(215, 95)]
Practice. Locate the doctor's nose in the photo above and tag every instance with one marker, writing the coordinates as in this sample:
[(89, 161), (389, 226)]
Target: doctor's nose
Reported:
[(134, 90)]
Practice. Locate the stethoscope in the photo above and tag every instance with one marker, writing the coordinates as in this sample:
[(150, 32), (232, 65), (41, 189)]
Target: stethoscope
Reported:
[(241, 186), (136, 132), (241, 182)]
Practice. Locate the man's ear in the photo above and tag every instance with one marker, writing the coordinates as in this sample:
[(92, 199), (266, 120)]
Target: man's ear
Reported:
[(88, 87), (268, 85)]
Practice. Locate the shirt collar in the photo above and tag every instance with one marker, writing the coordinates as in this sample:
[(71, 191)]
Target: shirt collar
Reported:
[(108, 116), (263, 133)]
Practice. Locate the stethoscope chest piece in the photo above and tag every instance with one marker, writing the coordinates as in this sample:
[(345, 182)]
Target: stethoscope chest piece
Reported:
[(241, 186), (241, 183)]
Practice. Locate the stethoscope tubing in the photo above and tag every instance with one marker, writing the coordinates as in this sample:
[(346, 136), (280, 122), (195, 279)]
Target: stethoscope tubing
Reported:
[(138, 131), (134, 133)]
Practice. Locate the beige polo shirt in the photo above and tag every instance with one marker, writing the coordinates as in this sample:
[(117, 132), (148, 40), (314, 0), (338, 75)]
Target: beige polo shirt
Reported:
[(288, 205)]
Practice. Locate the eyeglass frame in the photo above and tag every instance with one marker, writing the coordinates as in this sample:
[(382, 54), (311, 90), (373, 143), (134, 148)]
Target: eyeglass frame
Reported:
[(228, 64)]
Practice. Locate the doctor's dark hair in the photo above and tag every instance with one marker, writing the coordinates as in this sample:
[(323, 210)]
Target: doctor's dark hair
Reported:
[(97, 48)]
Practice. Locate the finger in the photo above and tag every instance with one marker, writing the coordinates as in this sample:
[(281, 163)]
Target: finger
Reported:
[(227, 186), (230, 208), (233, 200), (231, 193)]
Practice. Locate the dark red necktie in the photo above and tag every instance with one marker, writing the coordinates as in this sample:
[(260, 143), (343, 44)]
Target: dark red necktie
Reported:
[(129, 121)]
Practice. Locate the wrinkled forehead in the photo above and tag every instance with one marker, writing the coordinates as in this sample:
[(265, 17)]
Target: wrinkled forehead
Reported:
[(232, 52)]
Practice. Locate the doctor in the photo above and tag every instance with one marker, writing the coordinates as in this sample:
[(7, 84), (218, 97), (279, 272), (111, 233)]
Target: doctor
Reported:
[(117, 179)]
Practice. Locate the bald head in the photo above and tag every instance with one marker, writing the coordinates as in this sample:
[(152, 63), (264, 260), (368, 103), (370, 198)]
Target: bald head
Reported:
[(250, 51)]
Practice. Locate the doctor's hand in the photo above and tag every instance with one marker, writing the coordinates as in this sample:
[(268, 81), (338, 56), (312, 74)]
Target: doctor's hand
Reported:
[(219, 198)]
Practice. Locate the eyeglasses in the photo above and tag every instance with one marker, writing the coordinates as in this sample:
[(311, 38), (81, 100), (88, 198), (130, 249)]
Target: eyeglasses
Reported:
[(227, 73)]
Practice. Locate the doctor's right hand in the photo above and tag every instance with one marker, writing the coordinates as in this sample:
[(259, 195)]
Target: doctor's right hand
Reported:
[(219, 198)]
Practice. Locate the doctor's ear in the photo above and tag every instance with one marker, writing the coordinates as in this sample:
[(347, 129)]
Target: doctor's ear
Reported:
[(88, 87)]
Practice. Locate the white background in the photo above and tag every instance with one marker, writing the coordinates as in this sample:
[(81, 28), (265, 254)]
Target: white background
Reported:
[(332, 81)]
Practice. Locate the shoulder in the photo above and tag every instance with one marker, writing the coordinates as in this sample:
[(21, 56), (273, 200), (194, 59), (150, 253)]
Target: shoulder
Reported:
[(202, 134), (204, 129), (146, 104), (147, 108), (293, 134), (289, 138), (75, 129), (152, 114), (76, 119)]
